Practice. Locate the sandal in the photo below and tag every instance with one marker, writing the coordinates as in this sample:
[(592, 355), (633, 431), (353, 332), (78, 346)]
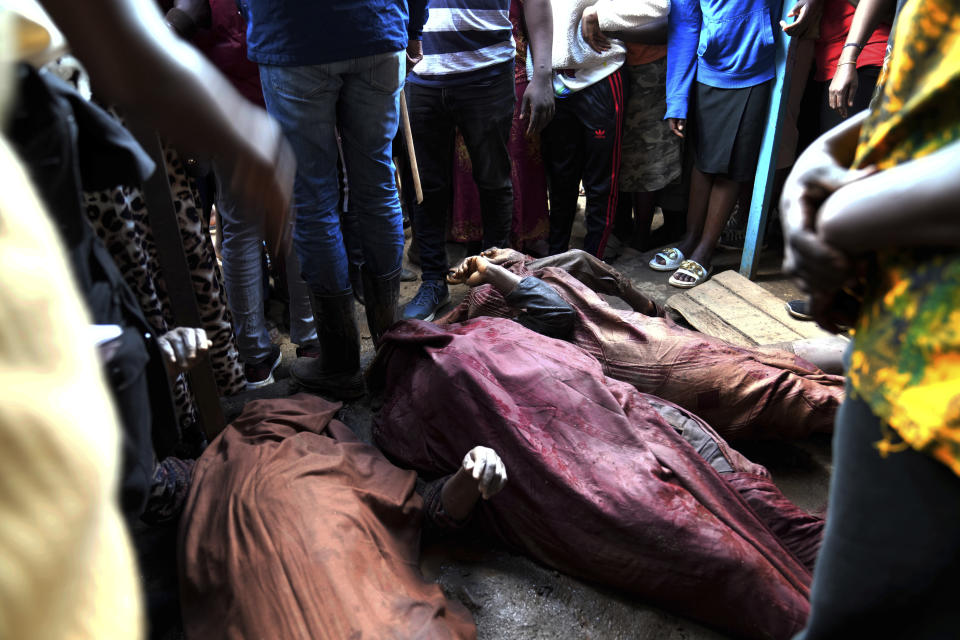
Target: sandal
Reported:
[(672, 258), (690, 268)]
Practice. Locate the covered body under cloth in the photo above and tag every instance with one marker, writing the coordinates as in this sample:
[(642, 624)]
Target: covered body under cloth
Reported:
[(742, 392), (294, 528), (607, 483)]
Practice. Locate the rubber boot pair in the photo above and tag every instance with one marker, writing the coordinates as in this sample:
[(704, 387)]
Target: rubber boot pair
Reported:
[(336, 372)]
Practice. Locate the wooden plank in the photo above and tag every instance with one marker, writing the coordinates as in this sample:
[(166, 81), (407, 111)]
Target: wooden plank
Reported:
[(706, 321), (732, 308), (741, 315), (768, 303), (767, 164)]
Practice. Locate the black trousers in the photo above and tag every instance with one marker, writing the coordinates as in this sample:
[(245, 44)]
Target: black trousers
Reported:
[(582, 143), (890, 562), (483, 112)]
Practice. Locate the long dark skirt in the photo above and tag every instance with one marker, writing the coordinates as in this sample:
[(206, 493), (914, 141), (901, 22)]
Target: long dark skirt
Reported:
[(728, 129)]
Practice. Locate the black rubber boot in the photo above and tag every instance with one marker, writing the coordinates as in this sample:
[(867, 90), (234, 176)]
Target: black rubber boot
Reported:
[(356, 281), (383, 297), (336, 372)]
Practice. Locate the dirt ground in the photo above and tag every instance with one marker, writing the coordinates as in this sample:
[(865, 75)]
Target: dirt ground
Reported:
[(513, 598)]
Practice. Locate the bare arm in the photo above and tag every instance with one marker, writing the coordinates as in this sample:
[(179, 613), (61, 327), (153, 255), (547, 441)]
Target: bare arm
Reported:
[(138, 64), (481, 475), (538, 103), (868, 15), (843, 86), (913, 204)]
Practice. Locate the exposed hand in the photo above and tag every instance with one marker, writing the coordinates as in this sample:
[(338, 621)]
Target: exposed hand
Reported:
[(472, 271), (843, 88), (537, 105), (815, 176), (485, 466), (414, 54), (833, 311), (677, 125), (182, 348), (590, 30), (498, 256), (199, 10), (819, 266), (803, 13)]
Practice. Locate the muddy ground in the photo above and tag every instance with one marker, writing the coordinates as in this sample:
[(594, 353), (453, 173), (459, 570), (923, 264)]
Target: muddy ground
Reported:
[(513, 598)]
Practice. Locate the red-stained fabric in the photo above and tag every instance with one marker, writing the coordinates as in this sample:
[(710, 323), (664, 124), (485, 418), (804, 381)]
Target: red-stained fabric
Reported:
[(295, 529), (755, 393), (600, 487), (225, 45), (834, 27)]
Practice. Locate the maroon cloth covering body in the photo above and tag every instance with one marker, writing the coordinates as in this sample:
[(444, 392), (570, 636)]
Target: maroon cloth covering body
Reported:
[(296, 529), (741, 392), (600, 487)]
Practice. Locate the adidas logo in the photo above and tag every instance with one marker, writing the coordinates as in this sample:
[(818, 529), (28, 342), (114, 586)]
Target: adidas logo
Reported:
[(600, 134)]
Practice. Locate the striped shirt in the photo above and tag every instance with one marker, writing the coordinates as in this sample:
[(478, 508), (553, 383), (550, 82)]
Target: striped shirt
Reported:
[(464, 40)]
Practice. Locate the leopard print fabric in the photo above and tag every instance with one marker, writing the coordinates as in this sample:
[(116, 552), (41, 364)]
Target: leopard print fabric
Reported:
[(119, 217)]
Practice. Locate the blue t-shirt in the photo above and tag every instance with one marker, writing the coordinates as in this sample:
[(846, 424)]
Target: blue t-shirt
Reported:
[(307, 32), (465, 41), (728, 44)]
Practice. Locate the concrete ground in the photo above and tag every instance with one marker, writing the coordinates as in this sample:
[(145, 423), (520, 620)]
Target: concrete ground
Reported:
[(513, 598)]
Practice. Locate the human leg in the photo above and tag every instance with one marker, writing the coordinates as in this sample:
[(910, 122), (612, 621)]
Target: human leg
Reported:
[(368, 115), (304, 100), (701, 185), (644, 204), (303, 329), (243, 276), (563, 158), (889, 566), (723, 195), (484, 114), (599, 108), (433, 131)]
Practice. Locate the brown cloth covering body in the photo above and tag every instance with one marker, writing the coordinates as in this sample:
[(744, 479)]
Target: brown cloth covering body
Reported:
[(296, 529), (741, 392), (602, 485)]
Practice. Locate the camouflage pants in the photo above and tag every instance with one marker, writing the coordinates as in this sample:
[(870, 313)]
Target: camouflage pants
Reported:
[(651, 154)]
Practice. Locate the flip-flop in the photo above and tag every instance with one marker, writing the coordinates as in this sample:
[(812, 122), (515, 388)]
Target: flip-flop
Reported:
[(690, 268), (672, 258)]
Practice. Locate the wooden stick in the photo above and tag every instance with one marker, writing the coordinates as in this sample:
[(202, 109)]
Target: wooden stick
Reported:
[(408, 136)]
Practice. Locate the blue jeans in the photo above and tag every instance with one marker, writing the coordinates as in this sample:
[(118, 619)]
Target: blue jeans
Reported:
[(359, 98), (243, 279)]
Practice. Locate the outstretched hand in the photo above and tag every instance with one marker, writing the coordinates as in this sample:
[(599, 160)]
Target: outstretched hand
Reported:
[(182, 348), (485, 466), (472, 272), (498, 256)]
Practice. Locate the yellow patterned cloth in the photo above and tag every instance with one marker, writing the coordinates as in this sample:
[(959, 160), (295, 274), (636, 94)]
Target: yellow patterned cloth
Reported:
[(906, 358)]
